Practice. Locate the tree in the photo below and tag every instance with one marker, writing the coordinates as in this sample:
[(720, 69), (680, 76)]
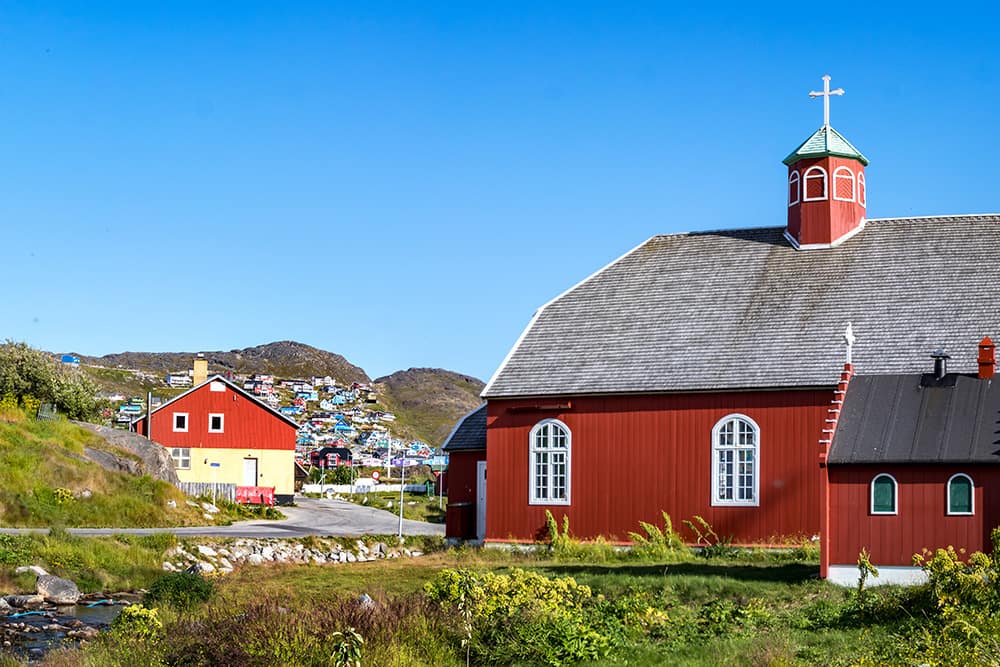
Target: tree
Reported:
[(27, 374)]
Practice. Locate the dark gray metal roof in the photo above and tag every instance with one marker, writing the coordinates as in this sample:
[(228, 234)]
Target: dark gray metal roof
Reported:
[(743, 309), (469, 433), (893, 419)]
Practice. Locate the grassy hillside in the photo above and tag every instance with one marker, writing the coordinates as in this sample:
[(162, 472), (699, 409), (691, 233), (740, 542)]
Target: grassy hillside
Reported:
[(428, 401), (44, 477)]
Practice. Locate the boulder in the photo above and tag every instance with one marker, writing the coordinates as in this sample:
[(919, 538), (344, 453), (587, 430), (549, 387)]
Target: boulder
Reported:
[(34, 569), (154, 460), (208, 552), (57, 590), (21, 601)]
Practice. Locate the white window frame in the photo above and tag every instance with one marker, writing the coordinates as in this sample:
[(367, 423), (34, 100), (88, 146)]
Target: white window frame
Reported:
[(717, 449), (797, 180), (972, 496), (805, 183), (187, 422), (839, 173), (862, 192), (222, 422), (179, 454), (533, 490), (895, 496)]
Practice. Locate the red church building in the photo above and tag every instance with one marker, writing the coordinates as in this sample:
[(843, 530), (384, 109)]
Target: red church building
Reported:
[(701, 373)]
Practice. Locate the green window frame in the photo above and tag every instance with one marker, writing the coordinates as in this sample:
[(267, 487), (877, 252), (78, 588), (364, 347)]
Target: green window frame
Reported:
[(961, 495), (884, 494)]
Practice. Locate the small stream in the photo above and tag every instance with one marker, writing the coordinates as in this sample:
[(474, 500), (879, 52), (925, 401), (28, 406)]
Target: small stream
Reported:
[(31, 634)]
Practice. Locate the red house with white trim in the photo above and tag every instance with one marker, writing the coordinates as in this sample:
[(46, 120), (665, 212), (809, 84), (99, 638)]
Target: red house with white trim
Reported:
[(696, 374), (217, 432)]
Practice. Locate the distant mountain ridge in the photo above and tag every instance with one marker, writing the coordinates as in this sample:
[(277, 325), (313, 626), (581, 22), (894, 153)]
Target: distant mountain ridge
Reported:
[(426, 401), (283, 358)]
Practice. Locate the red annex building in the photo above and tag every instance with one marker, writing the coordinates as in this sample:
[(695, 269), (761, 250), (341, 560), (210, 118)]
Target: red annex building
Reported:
[(703, 373)]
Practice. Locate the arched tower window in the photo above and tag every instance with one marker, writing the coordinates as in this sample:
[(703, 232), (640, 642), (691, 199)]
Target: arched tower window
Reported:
[(843, 184), (815, 184), (961, 499), (735, 461), (549, 474), (884, 495), (794, 187), (861, 189)]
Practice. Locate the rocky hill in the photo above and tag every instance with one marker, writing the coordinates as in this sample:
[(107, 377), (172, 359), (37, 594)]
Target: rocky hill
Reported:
[(284, 358), (428, 401)]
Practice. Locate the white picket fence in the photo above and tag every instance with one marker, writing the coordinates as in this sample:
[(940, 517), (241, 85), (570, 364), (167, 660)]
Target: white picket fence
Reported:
[(361, 487), (221, 490)]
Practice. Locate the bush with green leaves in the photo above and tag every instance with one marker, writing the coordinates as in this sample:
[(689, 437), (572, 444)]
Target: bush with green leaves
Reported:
[(32, 376), (524, 616), (137, 622), (181, 590)]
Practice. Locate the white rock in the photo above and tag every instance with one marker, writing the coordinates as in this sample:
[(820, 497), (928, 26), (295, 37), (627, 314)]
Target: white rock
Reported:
[(342, 556), (416, 553), (33, 569), (351, 558), (206, 566), (255, 559), (267, 552), (168, 566), (171, 503), (210, 508), (224, 564), (208, 552), (208, 516)]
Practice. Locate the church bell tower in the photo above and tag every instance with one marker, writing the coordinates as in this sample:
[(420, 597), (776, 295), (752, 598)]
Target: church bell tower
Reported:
[(826, 185)]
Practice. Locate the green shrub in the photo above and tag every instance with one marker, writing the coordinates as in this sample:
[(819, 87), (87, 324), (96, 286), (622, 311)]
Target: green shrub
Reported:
[(526, 617), (137, 622), (182, 590), (15, 549), (656, 542)]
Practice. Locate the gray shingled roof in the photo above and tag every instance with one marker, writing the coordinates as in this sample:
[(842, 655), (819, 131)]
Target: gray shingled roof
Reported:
[(893, 419), (469, 433), (743, 309)]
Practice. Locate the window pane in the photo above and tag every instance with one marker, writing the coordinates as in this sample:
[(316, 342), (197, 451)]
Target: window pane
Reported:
[(884, 492), (960, 496), (815, 185)]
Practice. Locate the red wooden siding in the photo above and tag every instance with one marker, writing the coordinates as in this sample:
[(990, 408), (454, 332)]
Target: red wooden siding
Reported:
[(921, 521), (246, 425), (460, 521), (635, 456)]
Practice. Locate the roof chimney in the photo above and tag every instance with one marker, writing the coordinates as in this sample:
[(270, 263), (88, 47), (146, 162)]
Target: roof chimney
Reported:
[(940, 358), (200, 370), (987, 358)]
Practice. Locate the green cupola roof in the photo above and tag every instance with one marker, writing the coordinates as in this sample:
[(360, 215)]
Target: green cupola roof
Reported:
[(825, 141)]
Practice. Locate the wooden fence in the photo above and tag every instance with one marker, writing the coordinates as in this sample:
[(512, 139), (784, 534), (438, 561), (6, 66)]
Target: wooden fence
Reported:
[(221, 490)]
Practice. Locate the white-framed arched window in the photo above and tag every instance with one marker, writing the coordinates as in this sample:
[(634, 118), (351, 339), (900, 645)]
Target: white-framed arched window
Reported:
[(736, 461), (549, 445), (861, 190), (961, 495), (815, 184), (794, 188), (884, 494), (843, 184)]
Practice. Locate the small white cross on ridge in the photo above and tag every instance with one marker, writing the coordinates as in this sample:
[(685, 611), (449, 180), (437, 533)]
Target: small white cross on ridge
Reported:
[(826, 98)]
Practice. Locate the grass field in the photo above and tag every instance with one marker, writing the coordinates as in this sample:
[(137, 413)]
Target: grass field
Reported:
[(751, 610)]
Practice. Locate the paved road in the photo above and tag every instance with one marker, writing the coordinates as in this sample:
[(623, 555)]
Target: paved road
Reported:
[(312, 516)]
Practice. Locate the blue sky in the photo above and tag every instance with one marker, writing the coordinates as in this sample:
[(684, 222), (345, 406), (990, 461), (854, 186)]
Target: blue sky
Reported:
[(404, 184)]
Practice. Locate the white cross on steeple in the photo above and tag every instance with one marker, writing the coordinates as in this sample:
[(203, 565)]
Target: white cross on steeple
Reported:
[(826, 98)]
